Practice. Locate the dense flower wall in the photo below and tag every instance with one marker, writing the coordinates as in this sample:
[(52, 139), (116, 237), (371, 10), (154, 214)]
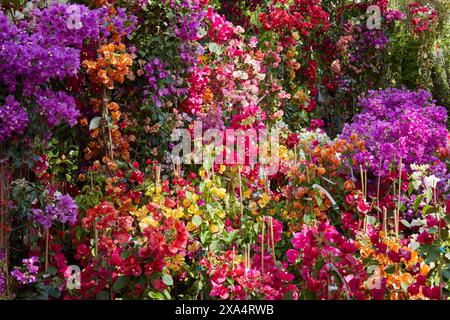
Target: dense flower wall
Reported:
[(95, 97)]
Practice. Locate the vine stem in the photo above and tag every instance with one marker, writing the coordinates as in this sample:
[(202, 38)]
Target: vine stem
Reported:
[(47, 240), (249, 256), (11, 11), (379, 182), (95, 237), (272, 238), (105, 114), (234, 254), (158, 178), (4, 221), (95, 220), (295, 155), (2, 201), (361, 173), (363, 189), (437, 215), (240, 192), (397, 212), (262, 248), (347, 288)]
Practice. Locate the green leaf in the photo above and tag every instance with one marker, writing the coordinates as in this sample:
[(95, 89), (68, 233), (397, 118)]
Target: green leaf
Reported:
[(167, 279), (103, 295), (120, 283), (52, 270), (319, 265), (432, 252), (446, 273), (288, 296), (428, 209), (215, 48), (54, 292), (197, 220), (229, 236), (405, 223), (319, 200), (214, 246), (410, 188), (202, 32), (307, 218), (95, 123), (370, 261), (79, 233), (203, 236), (310, 295), (417, 202), (125, 254), (156, 295), (404, 286), (167, 294), (372, 220), (390, 269), (447, 219)]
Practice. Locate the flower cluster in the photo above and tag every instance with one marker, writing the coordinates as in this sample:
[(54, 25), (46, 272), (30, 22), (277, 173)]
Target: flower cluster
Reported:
[(28, 273), (398, 269), (397, 124), (423, 17), (161, 83), (13, 118), (190, 20), (340, 271), (221, 30), (32, 59), (118, 23), (67, 25), (159, 247), (198, 82), (302, 15), (57, 107), (104, 214), (232, 278), (63, 210), (111, 67), (358, 214)]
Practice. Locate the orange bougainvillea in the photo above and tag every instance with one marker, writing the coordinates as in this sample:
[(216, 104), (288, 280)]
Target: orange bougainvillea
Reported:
[(112, 65), (397, 268)]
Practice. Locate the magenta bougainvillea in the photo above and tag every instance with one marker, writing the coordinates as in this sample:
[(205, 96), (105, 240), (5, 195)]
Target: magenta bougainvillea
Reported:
[(398, 124)]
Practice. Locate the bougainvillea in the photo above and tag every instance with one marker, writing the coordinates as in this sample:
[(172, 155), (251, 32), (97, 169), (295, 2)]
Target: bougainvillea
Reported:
[(398, 124), (14, 118), (28, 273), (123, 176)]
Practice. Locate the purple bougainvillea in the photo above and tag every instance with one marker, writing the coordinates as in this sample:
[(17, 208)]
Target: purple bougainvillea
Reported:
[(57, 107), (397, 123), (28, 273), (64, 210), (13, 118)]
